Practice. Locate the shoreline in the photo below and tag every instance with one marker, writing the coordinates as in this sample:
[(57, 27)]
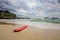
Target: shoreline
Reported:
[(7, 23), (40, 25)]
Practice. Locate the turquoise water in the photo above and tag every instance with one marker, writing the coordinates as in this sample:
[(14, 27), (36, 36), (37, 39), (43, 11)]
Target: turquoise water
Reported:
[(42, 25)]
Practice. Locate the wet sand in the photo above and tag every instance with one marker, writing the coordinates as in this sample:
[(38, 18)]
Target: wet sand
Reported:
[(30, 33)]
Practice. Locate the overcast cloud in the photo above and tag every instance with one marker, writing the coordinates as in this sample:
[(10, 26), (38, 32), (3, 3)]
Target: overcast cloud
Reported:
[(32, 8)]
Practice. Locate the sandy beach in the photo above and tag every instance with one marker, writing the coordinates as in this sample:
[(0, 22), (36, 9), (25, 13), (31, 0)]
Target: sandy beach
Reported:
[(30, 33)]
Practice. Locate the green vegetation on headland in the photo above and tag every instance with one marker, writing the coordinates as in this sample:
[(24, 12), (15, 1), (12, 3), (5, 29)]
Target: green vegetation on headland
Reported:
[(8, 15), (46, 19)]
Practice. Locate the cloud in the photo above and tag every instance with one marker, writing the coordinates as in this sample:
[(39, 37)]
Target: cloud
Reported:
[(29, 7), (22, 11), (58, 1)]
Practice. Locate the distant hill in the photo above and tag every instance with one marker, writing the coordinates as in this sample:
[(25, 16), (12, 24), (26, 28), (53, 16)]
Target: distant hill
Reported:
[(7, 15)]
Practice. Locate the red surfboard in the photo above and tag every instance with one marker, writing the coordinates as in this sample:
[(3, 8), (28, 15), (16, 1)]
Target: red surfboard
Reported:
[(20, 28)]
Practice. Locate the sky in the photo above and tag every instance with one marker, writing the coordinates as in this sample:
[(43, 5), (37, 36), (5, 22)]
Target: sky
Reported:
[(32, 8)]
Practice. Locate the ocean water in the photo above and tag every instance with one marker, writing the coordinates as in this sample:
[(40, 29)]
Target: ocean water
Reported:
[(42, 25)]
